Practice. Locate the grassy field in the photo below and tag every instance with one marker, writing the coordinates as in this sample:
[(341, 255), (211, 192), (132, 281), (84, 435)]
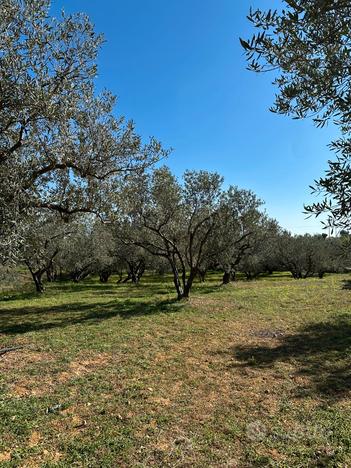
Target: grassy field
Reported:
[(250, 374)]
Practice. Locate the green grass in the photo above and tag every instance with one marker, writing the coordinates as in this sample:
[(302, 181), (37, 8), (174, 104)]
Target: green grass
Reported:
[(250, 374)]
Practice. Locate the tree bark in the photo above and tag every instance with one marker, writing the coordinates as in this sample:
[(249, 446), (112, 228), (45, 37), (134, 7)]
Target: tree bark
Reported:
[(104, 276), (189, 283), (79, 275), (202, 275), (37, 278), (226, 277), (176, 281), (51, 274)]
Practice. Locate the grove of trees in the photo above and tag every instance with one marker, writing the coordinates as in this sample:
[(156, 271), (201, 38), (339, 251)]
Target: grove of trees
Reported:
[(182, 227), (80, 192)]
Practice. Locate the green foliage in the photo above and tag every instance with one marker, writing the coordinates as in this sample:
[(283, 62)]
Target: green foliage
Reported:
[(252, 373), (61, 147), (310, 255), (308, 47), (194, 224)]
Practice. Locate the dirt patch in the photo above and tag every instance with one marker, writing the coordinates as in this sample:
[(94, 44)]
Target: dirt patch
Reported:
[(20, 391), (82, 367), (34, 439), (5, 456), (21, 358), (160, 401), (39, 384)]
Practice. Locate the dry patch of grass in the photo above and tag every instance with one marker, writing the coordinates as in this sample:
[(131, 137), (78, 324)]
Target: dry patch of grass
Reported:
[(251, 374)]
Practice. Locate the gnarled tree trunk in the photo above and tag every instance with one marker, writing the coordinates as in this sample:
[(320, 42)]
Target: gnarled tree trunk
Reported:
[(104, 276), (37, 277)]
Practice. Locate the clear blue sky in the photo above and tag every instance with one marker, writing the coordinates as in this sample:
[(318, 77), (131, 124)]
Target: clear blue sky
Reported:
[(179, 73)]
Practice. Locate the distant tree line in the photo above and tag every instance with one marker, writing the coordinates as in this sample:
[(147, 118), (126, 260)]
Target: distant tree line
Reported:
[(185, 228)]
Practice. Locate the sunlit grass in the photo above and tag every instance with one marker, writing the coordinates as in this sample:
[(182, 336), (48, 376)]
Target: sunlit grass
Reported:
[(250, 374)]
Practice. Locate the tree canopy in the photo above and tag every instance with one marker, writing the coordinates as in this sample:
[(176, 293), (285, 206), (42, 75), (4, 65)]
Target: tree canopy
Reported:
[(61, 146), (307, 46)]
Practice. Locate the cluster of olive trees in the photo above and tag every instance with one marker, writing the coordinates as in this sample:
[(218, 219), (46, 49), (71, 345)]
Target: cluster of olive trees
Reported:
[(185, 227), (301, 255), (192, 224), (53, 249), (77, 192), (308, 255), (62, 149)]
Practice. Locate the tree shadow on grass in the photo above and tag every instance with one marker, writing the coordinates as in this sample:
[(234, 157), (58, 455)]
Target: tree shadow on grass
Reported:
[(18, 296), (111, 286), (206, 288), (320, 351), (90, 284), (30, 319)]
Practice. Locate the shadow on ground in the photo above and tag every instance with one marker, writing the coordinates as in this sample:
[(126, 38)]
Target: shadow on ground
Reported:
[(87, 286), (346, 284), (120, 300), (29, 319), (319, 351)]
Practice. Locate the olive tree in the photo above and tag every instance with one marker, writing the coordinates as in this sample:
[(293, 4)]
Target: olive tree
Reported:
[(77, 257), (307, 45), (307, 255), (61, 147), (103, 251), (194, 223), (133, 259), (43, 240), (262, 256), (173, 220), (128, 257), (239, 220)]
